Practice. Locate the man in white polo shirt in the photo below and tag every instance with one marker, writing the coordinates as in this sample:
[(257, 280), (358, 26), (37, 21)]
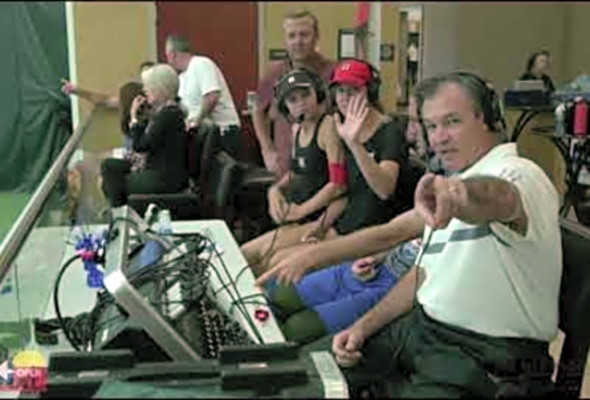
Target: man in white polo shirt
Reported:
[(475, 315), (203, 91)]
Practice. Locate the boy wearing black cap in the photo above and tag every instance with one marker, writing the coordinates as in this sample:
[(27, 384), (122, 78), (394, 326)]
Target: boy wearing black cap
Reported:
[(316, 175)]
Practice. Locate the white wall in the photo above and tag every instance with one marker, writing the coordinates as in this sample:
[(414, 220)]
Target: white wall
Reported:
[(577, 49), (440, 52), (495, 38)]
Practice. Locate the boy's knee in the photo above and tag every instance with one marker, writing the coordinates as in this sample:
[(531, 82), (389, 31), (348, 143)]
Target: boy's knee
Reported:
[(304, 327), (285, 297)]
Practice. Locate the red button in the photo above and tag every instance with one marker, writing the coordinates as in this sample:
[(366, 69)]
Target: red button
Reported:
[(261, 314)]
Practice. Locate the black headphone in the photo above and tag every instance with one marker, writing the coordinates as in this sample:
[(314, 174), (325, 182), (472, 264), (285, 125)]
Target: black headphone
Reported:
[(491, 107), (373, 85), (283, 86), (490, 104)]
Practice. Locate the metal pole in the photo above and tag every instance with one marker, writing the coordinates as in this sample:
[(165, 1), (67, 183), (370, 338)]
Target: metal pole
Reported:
[(21, 228)]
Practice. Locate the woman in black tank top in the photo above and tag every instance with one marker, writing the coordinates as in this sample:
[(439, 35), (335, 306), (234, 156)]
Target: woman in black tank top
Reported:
[(309, 171), (304, 192)]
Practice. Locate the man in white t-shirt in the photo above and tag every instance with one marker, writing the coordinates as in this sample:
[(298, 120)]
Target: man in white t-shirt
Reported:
[(203, 91), (475, 315)]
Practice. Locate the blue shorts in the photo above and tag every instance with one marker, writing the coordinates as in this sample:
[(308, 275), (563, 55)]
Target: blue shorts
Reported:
[(339, 297)]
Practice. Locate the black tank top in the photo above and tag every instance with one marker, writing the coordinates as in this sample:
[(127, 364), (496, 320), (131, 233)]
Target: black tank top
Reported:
[(309, 168), (364, 207)]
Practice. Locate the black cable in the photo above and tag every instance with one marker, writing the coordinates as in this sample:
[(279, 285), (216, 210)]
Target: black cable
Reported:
[(246, 300), (108, 321), (236, 279), (62, 323), (155, 270), (78, 327), (111, 233), (417, 263), (244, 312), (157, 267), (81, 325), (265, 259), (251, 296)]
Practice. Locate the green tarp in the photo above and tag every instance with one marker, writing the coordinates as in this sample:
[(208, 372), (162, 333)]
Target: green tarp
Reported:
[(34, 121)]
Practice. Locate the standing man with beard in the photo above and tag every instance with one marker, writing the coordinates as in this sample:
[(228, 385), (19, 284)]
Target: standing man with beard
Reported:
[(273, 130)]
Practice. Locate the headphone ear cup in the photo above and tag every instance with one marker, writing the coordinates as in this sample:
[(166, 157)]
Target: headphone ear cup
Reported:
[(283, 110), (373, 91), (319, 87), (492, 109), (374, 85), (497, 111)]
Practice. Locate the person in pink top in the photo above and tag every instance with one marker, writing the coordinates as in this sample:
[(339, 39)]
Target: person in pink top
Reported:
[(272, 130)]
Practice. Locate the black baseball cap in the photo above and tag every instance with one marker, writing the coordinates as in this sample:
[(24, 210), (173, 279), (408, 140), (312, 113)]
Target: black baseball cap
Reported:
[(295, 78)]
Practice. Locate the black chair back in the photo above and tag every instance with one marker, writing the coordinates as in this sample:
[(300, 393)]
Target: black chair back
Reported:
[(574, 308), (220, 186), (203, 144)]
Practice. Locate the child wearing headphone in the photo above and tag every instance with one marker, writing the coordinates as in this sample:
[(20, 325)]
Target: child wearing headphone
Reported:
[(376, 163), (329, 300), (317, 173)]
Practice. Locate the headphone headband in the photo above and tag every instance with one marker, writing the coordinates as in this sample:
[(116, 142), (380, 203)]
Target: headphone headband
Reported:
[(491, 105), (290, 79), (481, 91)]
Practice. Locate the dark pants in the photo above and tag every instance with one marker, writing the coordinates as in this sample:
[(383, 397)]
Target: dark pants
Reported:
[(299, 323), (230, 140), (416, 356), (118, 181)]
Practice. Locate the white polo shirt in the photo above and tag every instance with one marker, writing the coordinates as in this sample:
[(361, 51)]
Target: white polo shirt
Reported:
[(488, 278), (203, 76)]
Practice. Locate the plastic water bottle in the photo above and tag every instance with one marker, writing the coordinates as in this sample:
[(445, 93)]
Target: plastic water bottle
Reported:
[(154, 249), (164, 223), (560, 120), (150, 214)]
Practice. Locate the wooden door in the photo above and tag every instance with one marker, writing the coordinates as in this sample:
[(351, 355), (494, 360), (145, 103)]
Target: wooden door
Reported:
[(226, 31)]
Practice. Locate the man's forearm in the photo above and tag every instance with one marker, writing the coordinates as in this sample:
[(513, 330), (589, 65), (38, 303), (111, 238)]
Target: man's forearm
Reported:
[(332, 213), (365, 242), (98, 98), (209, 102), (396, 302), (322, 198), (380, 181), (490, 199)]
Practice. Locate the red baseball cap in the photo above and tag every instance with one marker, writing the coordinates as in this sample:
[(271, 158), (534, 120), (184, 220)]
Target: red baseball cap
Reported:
[(351, 72)]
